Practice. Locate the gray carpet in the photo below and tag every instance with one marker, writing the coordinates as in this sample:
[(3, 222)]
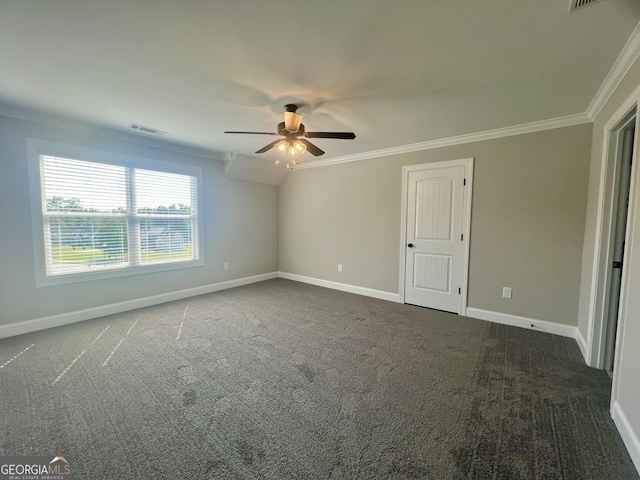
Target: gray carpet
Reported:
[(282, 380)]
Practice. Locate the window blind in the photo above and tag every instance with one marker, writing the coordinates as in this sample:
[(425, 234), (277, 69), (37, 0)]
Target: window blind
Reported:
[(101, 216)]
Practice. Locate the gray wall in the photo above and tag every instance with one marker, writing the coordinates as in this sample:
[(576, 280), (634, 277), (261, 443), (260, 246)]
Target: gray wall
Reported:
[(527, 227), (240, 227)]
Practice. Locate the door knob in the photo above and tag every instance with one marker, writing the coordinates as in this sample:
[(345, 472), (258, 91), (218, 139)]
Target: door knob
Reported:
[(410, 245)]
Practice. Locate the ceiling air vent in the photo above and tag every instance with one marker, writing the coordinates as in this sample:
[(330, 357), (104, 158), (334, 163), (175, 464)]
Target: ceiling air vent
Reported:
[(576, 4), (142, 128)]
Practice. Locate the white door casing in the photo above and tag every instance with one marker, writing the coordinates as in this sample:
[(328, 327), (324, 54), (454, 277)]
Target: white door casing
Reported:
[(595, 341), (436, 208)]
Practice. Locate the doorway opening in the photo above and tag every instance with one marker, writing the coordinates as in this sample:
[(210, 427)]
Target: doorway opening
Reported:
[(623, 149)]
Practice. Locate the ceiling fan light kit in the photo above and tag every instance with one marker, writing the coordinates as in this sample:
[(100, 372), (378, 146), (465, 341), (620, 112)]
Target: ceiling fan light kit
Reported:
[(291, 148), (292, 128)]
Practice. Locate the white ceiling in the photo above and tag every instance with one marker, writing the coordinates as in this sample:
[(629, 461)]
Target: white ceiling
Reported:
[(395, 73)]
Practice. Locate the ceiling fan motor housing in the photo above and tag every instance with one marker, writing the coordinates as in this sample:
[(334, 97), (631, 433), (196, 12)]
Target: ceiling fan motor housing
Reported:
[(292, 119)]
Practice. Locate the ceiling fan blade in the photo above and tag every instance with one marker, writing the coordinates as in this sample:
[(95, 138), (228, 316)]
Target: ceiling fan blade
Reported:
[(341, 135), (311, 148), (255, 133), (268, 147)]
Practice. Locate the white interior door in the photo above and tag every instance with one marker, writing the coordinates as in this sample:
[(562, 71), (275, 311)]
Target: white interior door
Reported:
[(434, 237)]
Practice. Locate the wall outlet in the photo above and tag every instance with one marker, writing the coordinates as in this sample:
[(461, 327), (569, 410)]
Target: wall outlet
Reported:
[(506, 292), (339, 267), (226, 266)]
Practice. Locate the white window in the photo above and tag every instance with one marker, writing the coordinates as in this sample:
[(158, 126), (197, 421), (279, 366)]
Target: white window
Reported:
[(100, 215)]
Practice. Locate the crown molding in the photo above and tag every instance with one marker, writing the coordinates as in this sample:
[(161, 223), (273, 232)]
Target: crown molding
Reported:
[(560, 122), (30, 115), (621, 67)]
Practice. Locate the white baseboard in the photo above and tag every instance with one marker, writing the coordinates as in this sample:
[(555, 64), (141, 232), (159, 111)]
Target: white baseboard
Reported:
[(28, 326), (629, 437), (496, 317), (582, 343), (368, 292), (524, 322)]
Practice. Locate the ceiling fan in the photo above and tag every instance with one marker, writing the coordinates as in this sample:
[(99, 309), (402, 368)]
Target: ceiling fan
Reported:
[(291, 129)]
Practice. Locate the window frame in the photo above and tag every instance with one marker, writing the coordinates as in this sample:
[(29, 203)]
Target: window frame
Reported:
[(37, 148)]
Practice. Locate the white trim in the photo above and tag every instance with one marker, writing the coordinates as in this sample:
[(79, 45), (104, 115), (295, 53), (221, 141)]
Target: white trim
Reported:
[(629, 437), (620, 68), (22, 113), (29, 326), (466, 245), (569, 331), (629, 255), (560, 122), (467, 163), (582, 343), (601, 251), (403, 235), (344, 287)]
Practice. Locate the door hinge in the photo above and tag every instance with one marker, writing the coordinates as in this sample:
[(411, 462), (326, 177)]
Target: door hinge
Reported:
[(617, 264), (459, 291), (464, 181), (462, 237)]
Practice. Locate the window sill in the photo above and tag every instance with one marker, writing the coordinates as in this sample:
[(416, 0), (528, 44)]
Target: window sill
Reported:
[(91, 275)]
